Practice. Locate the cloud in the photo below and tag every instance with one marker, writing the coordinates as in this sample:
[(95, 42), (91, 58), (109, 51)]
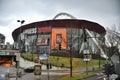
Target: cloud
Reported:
[(105, 12), (7, 32), (48, 8)]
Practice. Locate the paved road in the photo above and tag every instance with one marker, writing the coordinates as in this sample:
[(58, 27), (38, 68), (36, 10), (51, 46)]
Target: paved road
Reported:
[(31, 76), (95, 78)]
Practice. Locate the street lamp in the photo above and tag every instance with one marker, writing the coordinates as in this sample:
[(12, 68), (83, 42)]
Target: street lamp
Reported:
[(17, 63), (21, 22)]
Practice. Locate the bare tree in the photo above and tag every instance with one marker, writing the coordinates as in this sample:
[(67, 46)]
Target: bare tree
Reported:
[(113, 37)]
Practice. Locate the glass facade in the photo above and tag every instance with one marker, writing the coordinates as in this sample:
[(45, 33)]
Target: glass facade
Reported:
[(40, 42)]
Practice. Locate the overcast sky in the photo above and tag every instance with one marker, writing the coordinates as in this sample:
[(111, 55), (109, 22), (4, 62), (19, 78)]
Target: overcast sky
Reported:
[(104, 12)]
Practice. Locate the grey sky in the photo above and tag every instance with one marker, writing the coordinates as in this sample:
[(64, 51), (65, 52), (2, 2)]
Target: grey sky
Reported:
[(104, 12)]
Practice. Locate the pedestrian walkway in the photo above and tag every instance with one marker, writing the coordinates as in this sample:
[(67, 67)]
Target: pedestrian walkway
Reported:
[(25, 64)]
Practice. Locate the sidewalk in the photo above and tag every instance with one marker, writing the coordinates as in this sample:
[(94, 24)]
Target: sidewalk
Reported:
[(25, 64)]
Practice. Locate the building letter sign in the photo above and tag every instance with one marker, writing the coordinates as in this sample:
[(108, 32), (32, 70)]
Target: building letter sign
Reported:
[(31, 31)]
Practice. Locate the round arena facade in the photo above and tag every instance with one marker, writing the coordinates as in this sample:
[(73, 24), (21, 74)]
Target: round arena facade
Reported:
[(61, 35)]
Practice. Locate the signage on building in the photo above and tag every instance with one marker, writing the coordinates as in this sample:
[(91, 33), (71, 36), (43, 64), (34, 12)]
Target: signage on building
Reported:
[(58, 37), (2, 53), (42, 41), (44, 29), (30, 31)]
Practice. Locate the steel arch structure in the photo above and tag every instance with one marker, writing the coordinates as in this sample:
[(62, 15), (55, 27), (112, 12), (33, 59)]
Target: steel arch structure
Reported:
[(63, 13)]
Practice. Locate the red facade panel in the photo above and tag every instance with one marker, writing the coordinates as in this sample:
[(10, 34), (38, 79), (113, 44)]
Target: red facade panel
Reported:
[(45, 26), (44, 29)]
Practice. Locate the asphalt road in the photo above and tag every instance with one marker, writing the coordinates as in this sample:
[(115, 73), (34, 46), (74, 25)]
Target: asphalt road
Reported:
[(30, 76), (95, 78)]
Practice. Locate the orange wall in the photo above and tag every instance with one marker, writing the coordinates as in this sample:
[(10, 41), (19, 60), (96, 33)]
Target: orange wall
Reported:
[(56, 31)]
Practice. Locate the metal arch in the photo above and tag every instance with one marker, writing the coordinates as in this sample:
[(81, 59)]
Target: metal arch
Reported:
[(72, 17)]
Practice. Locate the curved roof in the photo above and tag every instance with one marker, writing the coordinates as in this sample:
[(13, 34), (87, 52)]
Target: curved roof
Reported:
[(74, 23)]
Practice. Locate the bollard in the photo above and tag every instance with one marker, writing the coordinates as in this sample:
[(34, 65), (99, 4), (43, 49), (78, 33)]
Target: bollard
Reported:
[(37, 71), (93, 69), (20, 74), (37, 77), (7, 76)]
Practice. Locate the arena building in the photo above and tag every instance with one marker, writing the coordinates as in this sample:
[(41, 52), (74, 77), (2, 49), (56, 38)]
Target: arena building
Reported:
[(61, 35)]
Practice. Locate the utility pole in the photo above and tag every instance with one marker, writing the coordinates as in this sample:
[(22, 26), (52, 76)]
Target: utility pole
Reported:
[(70, 48), (48, 68), (70, 60)]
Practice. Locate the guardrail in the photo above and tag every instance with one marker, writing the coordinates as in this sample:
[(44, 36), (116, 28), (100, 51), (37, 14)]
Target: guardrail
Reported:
[(16, 51)]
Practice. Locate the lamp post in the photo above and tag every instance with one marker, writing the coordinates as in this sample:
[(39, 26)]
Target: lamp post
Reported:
[(21, 22), (17, 63)]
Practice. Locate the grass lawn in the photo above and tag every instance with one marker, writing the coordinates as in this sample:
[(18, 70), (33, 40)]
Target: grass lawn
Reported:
[(76, 76), (77, 63)]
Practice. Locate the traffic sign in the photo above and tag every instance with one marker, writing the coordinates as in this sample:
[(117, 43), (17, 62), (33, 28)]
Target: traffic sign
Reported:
[(17, 56), (43, 56), (86, 51)]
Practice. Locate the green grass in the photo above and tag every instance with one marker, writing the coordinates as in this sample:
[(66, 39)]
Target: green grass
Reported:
[(29, 56), (77, 63), (76, 76)]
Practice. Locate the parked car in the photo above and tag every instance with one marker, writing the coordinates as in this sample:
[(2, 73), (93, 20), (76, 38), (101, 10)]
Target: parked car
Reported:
[(29, 69)]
